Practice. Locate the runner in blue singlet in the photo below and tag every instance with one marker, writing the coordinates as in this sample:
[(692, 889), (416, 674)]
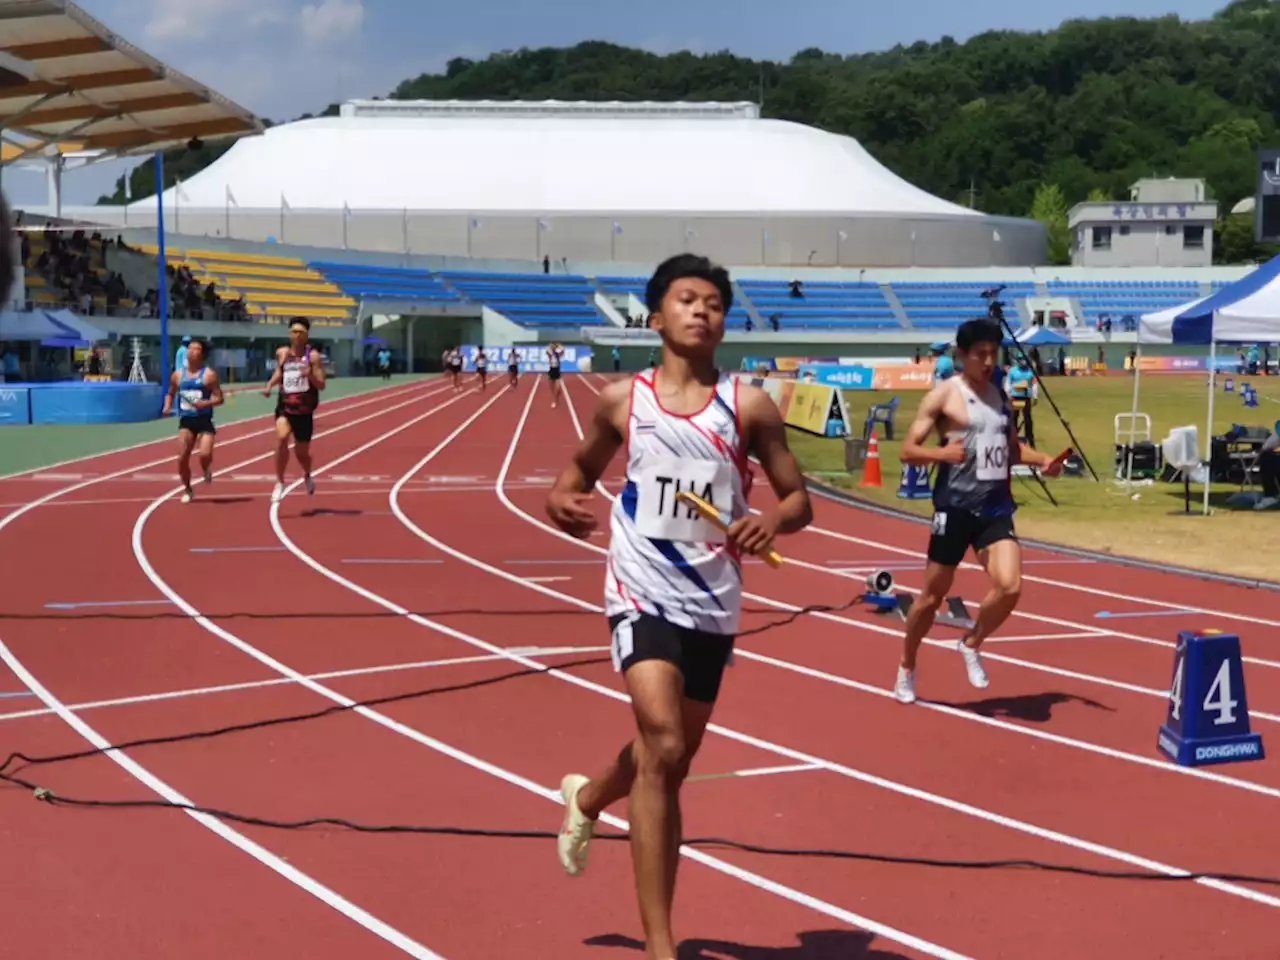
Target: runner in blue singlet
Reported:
[(198, 391)]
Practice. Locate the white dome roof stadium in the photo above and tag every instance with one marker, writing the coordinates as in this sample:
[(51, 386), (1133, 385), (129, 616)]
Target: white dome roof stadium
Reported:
[(587, 181)]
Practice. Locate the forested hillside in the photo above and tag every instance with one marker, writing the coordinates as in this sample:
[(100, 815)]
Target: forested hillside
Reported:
[(1087, 108)]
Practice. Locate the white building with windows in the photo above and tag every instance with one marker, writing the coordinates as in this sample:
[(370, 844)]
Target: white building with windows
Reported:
[(1165, 223)]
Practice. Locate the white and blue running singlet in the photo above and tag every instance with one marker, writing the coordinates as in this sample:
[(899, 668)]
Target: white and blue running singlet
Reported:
[(664, 559)]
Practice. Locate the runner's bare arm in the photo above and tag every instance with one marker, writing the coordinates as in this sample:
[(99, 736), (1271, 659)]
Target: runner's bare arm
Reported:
[(566, 504), (317, 370), (276, 375), (767, 440), (1019, 452), (214, 384), (168, 397), (928, 417)]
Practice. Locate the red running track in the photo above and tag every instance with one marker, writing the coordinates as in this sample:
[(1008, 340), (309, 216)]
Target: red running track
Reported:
[(1052, 766)]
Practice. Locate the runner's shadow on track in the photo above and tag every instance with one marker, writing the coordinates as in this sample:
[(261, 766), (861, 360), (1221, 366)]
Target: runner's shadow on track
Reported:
[(219, 501), (1034, 707), (812, 945), (330, 512)]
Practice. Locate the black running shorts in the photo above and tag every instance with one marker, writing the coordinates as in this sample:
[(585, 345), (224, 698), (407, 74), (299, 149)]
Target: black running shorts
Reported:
[(197, 425), (700, 656), (302, 425), (955, 531)]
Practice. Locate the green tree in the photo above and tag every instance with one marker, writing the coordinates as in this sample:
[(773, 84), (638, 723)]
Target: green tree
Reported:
[(1090, 107), (1050, 208)]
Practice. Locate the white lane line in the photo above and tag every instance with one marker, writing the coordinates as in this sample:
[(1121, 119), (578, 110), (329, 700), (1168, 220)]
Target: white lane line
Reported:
[(282, 681)]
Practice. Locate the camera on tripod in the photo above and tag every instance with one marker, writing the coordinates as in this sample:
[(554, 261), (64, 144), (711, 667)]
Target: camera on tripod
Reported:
[(995, 306)]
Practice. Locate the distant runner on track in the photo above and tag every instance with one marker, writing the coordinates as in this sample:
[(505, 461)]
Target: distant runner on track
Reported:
[(673, 590), (198, 391), (555, 353), (300, 374)]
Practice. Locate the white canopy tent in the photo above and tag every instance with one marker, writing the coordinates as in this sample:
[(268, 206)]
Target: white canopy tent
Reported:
[(1247, 311)]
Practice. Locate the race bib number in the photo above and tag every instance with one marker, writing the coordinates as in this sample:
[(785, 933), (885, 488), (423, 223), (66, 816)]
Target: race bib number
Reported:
[(661, 516), (295, 380), (992, 456), (187, 400)]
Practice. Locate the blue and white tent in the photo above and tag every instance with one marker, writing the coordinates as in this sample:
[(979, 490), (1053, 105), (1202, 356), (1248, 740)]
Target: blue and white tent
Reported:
[(47, 325), (1037, 337), (1246, 311)]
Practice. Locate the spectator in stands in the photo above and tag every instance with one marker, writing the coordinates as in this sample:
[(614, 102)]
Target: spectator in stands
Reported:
[(797, 291), (546, 264)]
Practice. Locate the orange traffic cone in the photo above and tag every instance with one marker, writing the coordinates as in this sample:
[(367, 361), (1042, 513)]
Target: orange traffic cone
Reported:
[(871, 472)]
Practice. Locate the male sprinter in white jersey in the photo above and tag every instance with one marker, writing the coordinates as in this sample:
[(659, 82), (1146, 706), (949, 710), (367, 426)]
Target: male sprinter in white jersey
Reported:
[(972, 497), (198, 391), (300, 373), (673, 585)]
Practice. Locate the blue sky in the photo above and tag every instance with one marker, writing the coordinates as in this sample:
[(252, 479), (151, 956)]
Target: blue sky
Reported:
[(281, 58)]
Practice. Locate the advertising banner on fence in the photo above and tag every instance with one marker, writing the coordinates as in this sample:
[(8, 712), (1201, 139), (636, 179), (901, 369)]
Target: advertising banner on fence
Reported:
[(1185, 364), (842, 377), (908, 376), (810, 407), (532, 358)]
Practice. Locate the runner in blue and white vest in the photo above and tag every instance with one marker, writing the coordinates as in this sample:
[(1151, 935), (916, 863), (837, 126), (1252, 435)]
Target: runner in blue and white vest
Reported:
[(197, 389)]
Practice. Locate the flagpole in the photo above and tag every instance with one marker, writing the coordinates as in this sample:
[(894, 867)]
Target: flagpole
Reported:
[(162, 282)]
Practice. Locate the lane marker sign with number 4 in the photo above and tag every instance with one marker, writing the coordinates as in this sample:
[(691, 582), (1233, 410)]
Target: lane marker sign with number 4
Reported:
[(1208, 721)]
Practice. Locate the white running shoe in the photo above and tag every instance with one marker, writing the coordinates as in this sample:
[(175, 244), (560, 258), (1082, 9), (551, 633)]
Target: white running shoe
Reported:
[(188, 495), (973, 665), (277, 493), (311, 485), (905, 688), (577, 830)]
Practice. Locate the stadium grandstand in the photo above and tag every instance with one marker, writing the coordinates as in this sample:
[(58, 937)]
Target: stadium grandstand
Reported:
[(565, 180)]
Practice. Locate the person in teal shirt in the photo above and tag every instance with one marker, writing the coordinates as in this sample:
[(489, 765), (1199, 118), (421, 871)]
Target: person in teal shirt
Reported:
[(944, 368), (1019, 379)]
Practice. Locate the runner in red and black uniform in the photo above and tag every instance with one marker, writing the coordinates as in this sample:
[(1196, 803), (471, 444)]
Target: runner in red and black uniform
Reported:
[(300, 373)]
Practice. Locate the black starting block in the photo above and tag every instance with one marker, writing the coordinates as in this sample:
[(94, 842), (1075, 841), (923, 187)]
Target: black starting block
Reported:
[(957, 614)]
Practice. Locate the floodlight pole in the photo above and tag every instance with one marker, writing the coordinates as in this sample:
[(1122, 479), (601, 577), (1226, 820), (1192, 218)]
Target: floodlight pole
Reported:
[(996, 311), (162, 284)]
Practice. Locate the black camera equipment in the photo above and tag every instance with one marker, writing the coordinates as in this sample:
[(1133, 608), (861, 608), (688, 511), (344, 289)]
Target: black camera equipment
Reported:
[(995, 310)]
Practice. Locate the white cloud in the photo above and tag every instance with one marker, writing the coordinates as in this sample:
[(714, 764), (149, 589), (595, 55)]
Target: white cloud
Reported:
[(330, 20), (181, 21)]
